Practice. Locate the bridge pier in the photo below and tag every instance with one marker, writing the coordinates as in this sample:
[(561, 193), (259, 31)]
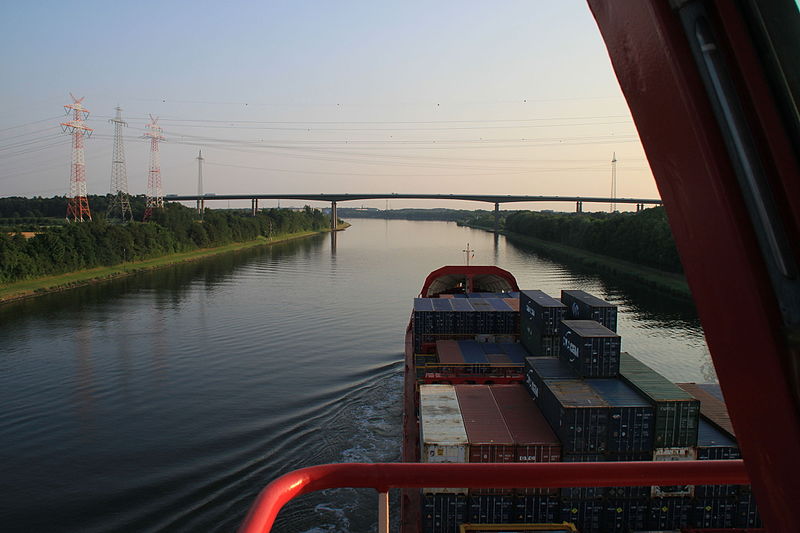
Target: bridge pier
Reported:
[(639, 207), (579, 206), (496, 217), (334, 218), (254, 206)]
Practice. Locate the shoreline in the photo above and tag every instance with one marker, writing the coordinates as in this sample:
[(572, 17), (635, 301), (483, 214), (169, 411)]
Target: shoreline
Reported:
[(31, 288), (672, 283)]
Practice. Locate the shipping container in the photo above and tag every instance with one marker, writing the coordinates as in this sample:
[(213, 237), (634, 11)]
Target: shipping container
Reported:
[(711, 407), (587, 515), (540, 316), (443, 513), (590, 348), (490, 508), (635, 492), (583, 306), (746, 511), (443, 437), (537, 508), (534, 440), (541, 311), (472, 352), (630, 425), (673, 454), (625, 514), (710, 512), (669, 513), (676, 411), (489, 438), (513, 303), (537, 343), (713, 445), (578, 416), (515, 351), (449, 353)]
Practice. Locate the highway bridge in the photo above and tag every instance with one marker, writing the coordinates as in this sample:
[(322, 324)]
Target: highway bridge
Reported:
[(335, 198)]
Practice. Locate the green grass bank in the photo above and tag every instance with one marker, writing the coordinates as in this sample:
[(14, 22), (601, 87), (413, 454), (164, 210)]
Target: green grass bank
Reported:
[(44, 285)]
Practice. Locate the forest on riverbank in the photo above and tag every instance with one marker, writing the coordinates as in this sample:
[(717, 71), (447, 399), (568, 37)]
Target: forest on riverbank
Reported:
[(643, 237), (57, 249)]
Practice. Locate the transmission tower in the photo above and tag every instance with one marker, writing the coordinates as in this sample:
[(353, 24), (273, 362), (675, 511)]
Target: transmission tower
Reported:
[(78, 205), (120, 204), (200, 182), (613, 181), (155, 196)]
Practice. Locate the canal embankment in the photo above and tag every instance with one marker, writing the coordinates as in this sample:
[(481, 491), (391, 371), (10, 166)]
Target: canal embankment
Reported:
[(30, 288), (671, 283)]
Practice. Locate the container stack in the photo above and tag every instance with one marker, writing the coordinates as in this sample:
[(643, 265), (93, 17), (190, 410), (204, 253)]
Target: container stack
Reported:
[(584, 306), (484, 423), (581, 400), (461, 318), (540, 316)]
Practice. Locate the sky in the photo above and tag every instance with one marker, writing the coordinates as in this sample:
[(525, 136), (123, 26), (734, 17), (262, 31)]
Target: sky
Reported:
[(508, 97)]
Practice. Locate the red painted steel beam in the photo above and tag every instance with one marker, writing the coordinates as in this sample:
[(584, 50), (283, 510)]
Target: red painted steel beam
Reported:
[(714, 235), (385, 476)]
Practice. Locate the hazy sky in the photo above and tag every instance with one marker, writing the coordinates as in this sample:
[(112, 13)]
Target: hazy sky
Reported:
[(434, 97)]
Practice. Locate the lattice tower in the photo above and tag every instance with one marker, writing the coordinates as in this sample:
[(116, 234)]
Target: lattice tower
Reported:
[(78, 205), (200, 181), (613, 181), (155, 196), (120, 204)]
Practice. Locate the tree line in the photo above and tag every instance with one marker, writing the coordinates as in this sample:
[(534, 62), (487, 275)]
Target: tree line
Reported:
[(644, 238), (77, 246)]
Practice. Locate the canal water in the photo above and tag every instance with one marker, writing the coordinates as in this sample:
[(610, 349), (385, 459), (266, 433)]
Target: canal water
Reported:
[(166, 400)]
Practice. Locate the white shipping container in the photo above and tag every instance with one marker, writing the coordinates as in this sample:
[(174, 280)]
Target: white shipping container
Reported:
[(443, 438), (673, 454)]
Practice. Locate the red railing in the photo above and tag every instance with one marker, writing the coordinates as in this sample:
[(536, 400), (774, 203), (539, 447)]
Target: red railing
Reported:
[(385, 476)]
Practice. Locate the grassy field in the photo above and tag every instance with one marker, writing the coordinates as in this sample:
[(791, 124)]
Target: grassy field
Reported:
[(35, 287), (669, 282)]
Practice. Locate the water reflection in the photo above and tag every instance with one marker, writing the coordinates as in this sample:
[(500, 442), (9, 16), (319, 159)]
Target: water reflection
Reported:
[(204, 380)]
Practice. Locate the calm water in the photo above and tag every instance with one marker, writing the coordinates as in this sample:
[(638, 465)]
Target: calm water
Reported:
[(165, 401)]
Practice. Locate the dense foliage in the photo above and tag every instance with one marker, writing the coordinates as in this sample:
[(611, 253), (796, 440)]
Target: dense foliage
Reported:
[(70, 247), (16, 209), (644, 237)]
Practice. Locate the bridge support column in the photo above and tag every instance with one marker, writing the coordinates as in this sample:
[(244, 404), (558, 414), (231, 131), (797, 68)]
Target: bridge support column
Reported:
[(579, 207), (496, 217), (254, 206), (202, 206), (639, 207), (334, 218)]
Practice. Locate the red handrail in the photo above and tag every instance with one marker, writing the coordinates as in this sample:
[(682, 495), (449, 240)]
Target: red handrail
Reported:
[(384, 476)]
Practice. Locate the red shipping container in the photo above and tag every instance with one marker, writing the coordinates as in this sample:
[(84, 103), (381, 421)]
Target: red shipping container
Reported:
[(489, 438), (449, 353), (711, 407), (534, 440)]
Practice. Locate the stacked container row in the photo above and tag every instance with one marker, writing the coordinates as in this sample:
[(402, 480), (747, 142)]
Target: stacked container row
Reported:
[(437, 318), (444, 513), (467, 352)]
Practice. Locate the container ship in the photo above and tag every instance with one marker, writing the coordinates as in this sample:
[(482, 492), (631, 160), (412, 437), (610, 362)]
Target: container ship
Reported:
[(585, 435), (495, 374)]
